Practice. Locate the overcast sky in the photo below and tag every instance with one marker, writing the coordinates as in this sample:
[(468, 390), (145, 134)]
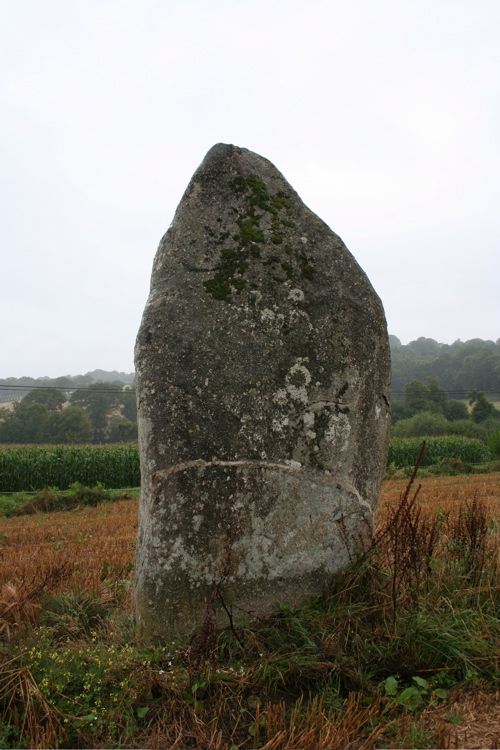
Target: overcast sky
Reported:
[(384, 115)]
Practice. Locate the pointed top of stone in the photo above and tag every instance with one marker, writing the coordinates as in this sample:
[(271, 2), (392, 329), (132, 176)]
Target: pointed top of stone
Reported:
[(228, 160)]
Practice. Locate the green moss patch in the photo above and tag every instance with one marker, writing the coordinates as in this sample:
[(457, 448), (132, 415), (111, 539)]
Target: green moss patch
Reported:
[(250, 243)]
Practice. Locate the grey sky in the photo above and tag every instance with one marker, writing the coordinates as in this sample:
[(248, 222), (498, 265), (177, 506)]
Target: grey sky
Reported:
[(384, 116)]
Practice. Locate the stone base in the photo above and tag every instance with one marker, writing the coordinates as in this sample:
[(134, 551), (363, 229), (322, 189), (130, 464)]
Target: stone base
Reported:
[(247, 534)]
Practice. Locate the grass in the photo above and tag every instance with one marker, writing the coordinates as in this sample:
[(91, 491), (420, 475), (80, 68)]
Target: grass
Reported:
[(407, 634), (53, 499)]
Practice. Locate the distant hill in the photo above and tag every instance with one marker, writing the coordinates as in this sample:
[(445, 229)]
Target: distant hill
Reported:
[(105, 376), (459, 367), (13, 393)]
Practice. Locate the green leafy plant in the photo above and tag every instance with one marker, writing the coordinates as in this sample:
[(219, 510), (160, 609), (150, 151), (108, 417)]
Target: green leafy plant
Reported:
[(404, 451), (493, 441)]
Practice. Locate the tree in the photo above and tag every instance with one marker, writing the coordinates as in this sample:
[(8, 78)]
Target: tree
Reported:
[(130, 403), (71, 425), (122, 430), (52, 398), (455, 410), (5, 425), (428, 396), (27, 423), (424, 347), (99, 400), (416, 397), (399, 410), (463, 365), (481, 407), (435, 395)]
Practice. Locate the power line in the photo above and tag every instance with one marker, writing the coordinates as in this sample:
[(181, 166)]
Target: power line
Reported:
[(126, 390), (129, 389)]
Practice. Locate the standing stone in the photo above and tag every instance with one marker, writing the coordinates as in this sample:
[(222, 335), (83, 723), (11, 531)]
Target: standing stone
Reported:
[(263, 368)]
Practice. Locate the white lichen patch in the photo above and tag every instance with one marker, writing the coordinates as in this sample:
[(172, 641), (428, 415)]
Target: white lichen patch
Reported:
[(270, 316), (338, 431), (197, 521), (278, 424), (297, 380), (308, 419), (280, 396), (267, 315), (184, 558), (296, 295), (179, 499)]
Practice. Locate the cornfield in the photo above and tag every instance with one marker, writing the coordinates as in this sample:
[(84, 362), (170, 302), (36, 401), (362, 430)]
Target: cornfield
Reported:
[(404, 451), (34, 467), (26, 468)]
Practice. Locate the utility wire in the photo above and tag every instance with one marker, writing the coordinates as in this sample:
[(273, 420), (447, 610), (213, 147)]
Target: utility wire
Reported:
[(4, 387), (129, 389)]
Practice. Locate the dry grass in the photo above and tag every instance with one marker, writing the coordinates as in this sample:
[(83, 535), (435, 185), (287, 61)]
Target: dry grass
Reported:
[(447, 493), (316, 728), (22, 699), (274, 726), (96, 540), (469, 720)]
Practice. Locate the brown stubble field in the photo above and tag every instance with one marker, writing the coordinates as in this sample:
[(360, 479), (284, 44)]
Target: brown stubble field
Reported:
[(90, 544), (91, 550)]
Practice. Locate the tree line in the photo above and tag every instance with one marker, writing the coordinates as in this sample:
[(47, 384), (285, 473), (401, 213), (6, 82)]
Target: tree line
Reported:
[(462, 366), (424, 374), (102, 413)]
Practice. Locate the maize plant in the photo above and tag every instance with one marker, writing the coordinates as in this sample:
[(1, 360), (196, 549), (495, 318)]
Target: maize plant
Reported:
[(32, 467)]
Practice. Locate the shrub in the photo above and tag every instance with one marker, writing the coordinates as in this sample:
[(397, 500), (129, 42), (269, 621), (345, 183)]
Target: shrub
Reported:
[(467, 428), (424, 423), (51, 499), (83, 495), (451, 467), (491, 424), (454, 410)]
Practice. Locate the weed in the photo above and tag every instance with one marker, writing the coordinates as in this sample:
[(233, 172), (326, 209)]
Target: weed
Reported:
[(20, 597), (75, 615), (468, 535)]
